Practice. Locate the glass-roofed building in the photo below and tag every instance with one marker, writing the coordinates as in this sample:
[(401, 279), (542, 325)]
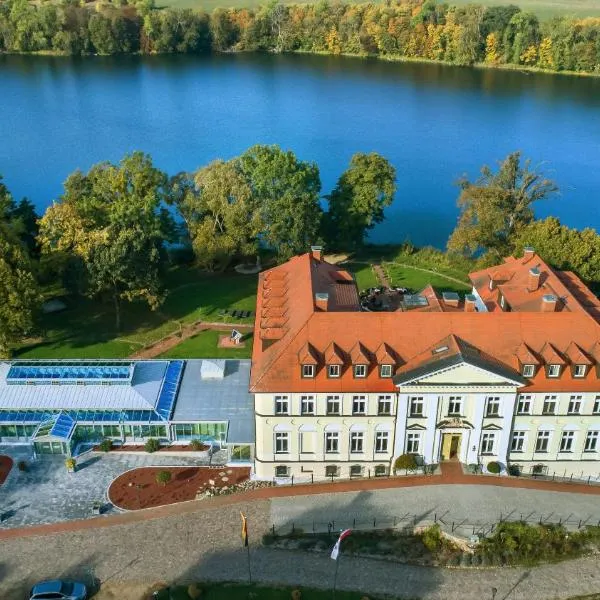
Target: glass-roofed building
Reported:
[(56, 405)]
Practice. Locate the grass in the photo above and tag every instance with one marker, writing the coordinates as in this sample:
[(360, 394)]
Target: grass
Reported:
[(204, 345), (238, 591), (415, 280), (363, 273)]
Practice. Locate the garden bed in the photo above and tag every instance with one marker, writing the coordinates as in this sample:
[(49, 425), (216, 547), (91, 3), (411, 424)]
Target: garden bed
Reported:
[(6, 463), (161, 450), (138, 488)]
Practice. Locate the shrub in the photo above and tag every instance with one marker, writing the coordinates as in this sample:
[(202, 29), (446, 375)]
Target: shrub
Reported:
[(432, 538), (194, 592), (473, 468), (494, 467), (406, 461), (163, 477), (70, 463), (151, 445), (196, 445), (106, 445), (22, 465), (514, 470), (296, 595)]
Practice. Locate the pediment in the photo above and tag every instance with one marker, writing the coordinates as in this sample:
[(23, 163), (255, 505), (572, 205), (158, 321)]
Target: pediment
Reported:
[(465, 374)]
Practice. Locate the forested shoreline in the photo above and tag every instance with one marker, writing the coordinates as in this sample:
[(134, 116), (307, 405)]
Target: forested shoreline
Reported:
[(501, 36)]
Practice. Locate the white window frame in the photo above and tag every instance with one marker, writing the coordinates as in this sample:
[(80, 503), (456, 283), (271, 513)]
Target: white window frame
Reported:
[(454, 401), (382, 441), (359, 399), (334, 371), (332, 442), (488, 442), (357, 442), (580, 371), (591, 441), (282, 400), (308, 371), (596, 407), (549, 400), (567, 441), (337, 400), (542, 440), (384, 400), (553, 370), (360, 371), (492, 401), (385, 371), (517, 442), (413, 403), (522, 401), (575, 402), (528, 370), (282, 439), (413, 442), (305, 403)]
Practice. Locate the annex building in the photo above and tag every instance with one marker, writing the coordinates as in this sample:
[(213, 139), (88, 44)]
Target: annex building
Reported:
[(507, 373)]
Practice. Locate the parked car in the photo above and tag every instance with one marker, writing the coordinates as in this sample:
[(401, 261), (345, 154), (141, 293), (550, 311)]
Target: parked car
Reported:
[(58, 590)]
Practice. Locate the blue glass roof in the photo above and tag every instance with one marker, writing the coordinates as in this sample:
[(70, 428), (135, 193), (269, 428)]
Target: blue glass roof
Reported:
[(76, 371), (168, 392), (63, 427)]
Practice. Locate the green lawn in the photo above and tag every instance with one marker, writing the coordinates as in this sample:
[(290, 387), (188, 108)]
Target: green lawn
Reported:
[(233, 591), (365, 278), (87, 328), (204, 345), (416, 280)]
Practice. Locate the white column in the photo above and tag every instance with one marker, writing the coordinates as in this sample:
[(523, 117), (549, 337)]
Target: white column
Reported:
[(400, 434), (475, 437), (431, 408), (507, 411)]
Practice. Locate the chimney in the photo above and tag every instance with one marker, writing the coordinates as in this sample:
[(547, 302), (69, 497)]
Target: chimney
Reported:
[(316, 252), (533, 281), (470, 303), (528, 253), (321, 301), (549, 303)]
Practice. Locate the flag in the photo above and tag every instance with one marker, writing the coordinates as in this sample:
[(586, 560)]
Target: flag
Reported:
[(336, 548), (244, 530)]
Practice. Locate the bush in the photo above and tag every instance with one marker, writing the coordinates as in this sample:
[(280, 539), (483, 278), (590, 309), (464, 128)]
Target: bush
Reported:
[(432, 538), (514, 470), (296, 595), (196, 445), (406, 462), (22, 465), (473, 468), (163, 477), (106, 445), (70, 463), (494, 467), (194, 592), (151, 445)]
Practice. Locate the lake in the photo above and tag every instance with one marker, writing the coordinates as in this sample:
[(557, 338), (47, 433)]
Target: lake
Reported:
[(433, 122)]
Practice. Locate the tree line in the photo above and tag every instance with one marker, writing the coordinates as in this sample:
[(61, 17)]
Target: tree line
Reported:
[(413, 29)]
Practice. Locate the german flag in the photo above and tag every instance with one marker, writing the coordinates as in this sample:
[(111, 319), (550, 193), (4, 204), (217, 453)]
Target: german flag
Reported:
[(244, 530)]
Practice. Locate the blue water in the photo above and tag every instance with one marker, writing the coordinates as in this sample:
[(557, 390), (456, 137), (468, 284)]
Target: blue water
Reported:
[(433, 122)]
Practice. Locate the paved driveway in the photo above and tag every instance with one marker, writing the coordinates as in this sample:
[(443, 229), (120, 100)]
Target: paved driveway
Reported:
[(47, 493)]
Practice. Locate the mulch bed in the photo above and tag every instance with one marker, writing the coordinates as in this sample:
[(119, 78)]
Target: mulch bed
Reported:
[(162, 450), (6, 463), (138, 488)]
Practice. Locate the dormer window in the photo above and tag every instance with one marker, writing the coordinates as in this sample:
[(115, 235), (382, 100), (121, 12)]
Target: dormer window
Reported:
[(360, 371), (333, 371), (579, 371), (385, 371), (502, 302), (528, 370), (308, 371), (553, 370)]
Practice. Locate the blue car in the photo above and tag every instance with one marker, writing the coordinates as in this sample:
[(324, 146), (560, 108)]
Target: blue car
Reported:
[(58, 590)]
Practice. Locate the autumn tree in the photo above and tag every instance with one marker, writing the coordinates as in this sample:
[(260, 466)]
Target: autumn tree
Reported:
[(112, 220), (495, 207), (286, 192), (357, 202)]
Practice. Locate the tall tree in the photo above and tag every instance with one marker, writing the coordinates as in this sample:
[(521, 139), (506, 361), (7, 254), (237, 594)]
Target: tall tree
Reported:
[(358, 200), (112, 219), (286, 192), (20, 217), (497, 206)]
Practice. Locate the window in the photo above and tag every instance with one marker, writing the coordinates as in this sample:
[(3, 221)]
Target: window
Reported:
[(356, 471), (307, 405), (360, 370), (591, 441), (334, 370), (574, 405), (487, 443), (542, 441), (282, 405), (416, 406), (331, 471), (413, 442), (553, 370), (454, 406), (356, 441), (381, 470), (308, 370), (282, 442), (382, 439), (524, 405), (385, 371), (596, 409), (359, 405), (333, 405), (579, 371), (493, 406), (384, 405), (566, 441), (332, 442), (549, 407), (528, 370), (518, 441), (282, 471)]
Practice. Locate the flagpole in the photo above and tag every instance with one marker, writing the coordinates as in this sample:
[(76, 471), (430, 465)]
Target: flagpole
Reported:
[(337, 566), (249, 570)]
